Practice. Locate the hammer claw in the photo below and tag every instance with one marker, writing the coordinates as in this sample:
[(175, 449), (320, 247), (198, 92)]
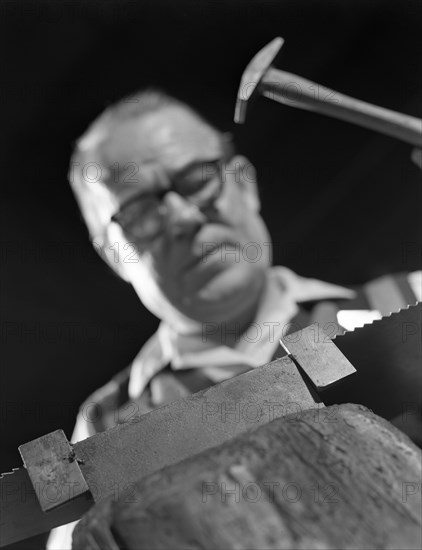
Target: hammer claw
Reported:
[(252, 76)]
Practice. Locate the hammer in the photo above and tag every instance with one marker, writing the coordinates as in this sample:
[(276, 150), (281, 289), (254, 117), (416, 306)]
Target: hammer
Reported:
[(295, 91)]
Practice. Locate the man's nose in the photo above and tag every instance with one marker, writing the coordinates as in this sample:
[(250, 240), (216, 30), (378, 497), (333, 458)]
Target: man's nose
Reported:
[(182, 216)]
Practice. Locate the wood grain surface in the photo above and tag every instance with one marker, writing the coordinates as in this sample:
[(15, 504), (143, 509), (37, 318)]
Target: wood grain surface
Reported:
[(337, 477)]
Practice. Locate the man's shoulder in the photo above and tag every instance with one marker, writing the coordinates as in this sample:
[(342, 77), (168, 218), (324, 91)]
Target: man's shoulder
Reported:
[(386, 293), (97, 413), (393, 292)]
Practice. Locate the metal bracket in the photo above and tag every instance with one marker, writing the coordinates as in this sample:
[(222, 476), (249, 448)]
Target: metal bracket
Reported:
[(53, 469), (316, 355)]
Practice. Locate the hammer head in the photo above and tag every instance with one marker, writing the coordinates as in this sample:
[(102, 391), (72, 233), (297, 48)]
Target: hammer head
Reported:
[(252, 76)]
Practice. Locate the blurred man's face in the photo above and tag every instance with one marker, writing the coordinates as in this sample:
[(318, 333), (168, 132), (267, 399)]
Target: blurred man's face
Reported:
[(208, 262)]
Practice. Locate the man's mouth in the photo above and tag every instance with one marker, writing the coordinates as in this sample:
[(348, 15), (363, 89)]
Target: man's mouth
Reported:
[(208, 255), (225, 252), (210, 249), (210, 246)]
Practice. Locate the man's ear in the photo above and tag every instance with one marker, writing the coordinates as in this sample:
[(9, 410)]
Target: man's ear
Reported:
[(246, 178)]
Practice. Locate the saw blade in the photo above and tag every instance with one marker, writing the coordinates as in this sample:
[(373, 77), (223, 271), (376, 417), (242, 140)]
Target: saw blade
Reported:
[(20, 513), (113, 460), (387, 356)]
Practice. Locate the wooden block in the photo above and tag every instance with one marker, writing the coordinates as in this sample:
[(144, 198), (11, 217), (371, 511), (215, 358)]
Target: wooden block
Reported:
[(318, 357), (338, 477)]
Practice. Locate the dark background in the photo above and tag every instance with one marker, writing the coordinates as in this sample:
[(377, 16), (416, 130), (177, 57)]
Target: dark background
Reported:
[(342, 203)]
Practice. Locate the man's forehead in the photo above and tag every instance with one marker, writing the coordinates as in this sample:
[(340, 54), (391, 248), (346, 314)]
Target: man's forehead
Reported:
[(172, 138)]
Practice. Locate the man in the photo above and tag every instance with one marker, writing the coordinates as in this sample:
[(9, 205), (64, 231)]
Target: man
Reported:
[(175, 211)]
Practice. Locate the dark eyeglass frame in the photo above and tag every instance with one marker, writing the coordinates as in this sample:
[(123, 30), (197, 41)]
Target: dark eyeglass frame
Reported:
[(133, 228)]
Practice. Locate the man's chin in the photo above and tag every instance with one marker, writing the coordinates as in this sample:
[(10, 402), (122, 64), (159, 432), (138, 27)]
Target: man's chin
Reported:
[(225, 294)]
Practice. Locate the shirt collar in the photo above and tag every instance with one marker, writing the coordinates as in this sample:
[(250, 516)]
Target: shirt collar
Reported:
[(278, 305)]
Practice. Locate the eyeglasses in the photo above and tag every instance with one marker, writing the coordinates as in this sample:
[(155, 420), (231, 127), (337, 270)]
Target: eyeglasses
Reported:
[(142, 216)]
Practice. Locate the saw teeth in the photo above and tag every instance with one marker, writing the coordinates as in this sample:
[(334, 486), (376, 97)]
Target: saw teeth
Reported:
[(9, 473), (377, 320)]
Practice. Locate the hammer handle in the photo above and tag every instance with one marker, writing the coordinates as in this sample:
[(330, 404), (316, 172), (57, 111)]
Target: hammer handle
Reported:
[(299, 92)]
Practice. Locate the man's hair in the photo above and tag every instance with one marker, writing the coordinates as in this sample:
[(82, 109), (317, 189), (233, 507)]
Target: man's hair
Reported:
[(89, 152)]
